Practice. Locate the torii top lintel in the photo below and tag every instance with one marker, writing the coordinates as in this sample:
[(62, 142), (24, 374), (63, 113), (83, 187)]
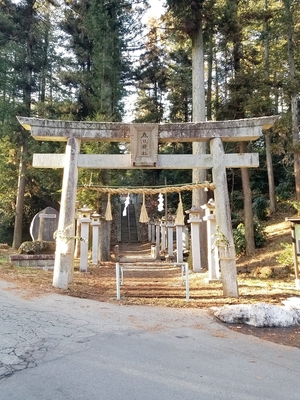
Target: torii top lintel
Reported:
[(229, 131)]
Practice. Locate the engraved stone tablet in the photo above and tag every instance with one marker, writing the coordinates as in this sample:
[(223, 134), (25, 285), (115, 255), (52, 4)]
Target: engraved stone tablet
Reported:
[(144, 144), (44, 224)]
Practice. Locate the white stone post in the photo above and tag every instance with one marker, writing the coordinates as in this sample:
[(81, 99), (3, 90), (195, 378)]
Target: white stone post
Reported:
[(195, 220), (170, 228), (223, 217), (179, 246), (149, 231), (95, 237), (64, 254), (185, 238), (213, 260), (163, 234), (85, 219), (153, 232), (157, 242)]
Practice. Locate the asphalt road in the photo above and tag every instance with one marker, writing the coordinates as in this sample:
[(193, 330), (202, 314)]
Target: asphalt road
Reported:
[(60, 348)]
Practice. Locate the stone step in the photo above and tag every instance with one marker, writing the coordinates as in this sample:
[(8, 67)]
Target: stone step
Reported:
[(128, 225)]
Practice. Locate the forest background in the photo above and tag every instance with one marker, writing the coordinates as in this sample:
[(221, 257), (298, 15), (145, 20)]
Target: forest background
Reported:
[(83, 60)]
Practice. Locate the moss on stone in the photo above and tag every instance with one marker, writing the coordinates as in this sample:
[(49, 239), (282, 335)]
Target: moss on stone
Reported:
[(37, 247)]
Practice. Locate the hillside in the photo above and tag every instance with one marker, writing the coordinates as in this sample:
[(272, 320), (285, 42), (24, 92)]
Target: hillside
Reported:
[(277, 231)]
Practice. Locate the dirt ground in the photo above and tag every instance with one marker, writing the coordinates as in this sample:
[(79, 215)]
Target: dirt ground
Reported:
[(164, 287)]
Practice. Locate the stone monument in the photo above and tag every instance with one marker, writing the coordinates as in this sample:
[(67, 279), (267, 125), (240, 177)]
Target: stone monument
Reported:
[(44, 224)]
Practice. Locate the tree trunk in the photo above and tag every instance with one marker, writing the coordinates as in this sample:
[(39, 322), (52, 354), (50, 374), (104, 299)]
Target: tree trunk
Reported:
[(295, 129), (270, 170), (104, 233), (294, 92), (248, 212), (209, 78), (104, 240), (199, 195), (17, 238)]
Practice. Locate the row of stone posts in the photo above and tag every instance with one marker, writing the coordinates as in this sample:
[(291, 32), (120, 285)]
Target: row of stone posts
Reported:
[(160, 234)]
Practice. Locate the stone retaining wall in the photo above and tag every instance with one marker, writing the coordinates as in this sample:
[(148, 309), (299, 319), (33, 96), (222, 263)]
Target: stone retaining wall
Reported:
[(44, 261)]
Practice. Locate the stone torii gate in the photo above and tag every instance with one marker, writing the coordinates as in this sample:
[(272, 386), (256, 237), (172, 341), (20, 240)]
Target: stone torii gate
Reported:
[(144, 139)]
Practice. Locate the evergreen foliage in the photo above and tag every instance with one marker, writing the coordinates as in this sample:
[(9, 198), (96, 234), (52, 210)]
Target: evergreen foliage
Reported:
[(240, 239), (79, 60), (286, 256)]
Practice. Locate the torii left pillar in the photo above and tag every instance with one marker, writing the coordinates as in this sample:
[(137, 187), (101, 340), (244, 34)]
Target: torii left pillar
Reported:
[(228, 268), (64, 254)]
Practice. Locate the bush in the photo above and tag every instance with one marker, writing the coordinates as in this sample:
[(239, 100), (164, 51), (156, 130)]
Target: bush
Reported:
[(259, 235), (240, 239), (283, 191), (286, 256), (6, 234), (260, 208)]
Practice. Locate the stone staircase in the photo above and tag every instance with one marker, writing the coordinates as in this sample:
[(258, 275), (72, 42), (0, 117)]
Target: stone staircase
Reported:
[(128, 225)]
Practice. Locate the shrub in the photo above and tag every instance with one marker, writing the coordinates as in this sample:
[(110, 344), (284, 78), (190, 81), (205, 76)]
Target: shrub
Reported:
[(260, 208), (283, 191), (286, 256), (240, 239), (295, 204), (259, 235)]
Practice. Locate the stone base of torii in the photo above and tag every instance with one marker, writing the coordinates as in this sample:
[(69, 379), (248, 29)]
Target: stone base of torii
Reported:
[(144, 139)]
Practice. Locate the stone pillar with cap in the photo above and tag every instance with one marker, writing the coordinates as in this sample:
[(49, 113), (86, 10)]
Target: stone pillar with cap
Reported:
[(85, 219), (194, 220), (95, 237), (170, 229), (212, 253)]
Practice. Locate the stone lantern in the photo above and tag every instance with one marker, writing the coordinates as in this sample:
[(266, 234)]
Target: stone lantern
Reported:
[(213, 259), (84, 215), (95, 237), (194, 220)]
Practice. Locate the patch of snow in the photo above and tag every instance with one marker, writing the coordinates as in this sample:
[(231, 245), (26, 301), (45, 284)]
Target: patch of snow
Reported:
[(261, 314)]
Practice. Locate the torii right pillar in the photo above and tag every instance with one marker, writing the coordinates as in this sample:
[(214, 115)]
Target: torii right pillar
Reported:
[(223, 217)]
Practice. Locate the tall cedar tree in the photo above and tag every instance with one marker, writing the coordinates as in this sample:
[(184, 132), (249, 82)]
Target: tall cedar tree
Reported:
[(188, 18), (151, 76), (100, 34)]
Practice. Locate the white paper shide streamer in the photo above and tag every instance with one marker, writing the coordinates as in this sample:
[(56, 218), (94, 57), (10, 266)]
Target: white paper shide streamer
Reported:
[(126, 204), (160, 206)]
